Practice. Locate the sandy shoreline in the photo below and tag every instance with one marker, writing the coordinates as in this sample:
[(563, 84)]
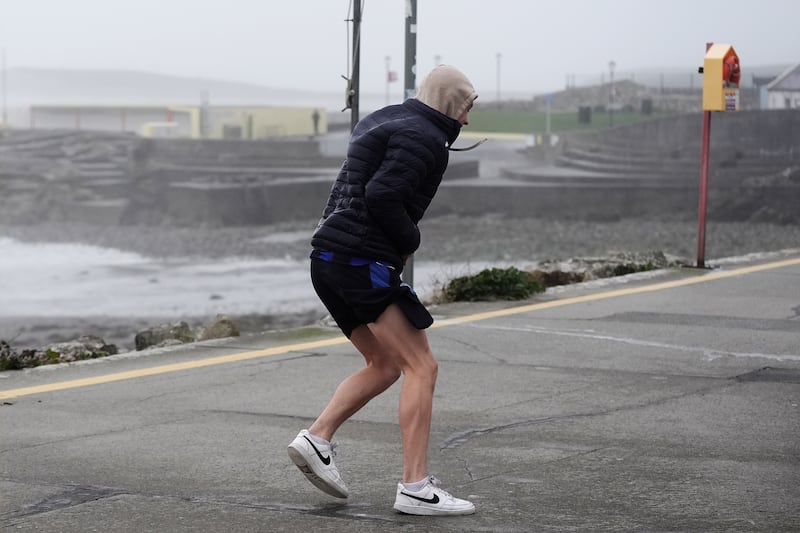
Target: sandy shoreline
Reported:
[(445, 239)]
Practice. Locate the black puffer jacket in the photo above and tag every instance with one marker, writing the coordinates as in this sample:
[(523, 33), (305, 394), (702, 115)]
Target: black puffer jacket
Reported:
[(395, 161)]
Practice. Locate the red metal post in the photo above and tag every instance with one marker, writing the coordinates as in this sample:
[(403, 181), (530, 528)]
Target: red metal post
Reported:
[(703, 201)]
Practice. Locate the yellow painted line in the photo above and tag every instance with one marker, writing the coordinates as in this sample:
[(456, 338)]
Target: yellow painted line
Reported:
[(165, 369), (280, 350)]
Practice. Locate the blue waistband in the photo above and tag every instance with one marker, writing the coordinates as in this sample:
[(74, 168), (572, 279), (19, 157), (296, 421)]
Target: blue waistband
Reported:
[(333, 257)]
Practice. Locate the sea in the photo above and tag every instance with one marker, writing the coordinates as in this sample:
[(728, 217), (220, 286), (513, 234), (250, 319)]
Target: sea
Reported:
[(77, 280)]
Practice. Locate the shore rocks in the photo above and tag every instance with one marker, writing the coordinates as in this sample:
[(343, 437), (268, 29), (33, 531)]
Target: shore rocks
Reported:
[(220, 328), (92, 346), (84, 347), (155, 336), (180, 332), (579, 269)]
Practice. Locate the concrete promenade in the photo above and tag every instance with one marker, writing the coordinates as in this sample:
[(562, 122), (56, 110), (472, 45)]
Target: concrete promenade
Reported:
[(654, 402)]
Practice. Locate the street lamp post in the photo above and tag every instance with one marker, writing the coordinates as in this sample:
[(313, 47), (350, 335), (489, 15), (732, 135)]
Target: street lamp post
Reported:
[(499, 57), (611, 66)]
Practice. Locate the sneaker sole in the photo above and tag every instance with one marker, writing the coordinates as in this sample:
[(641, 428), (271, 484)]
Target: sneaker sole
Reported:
[(322, 484), (421, 510)]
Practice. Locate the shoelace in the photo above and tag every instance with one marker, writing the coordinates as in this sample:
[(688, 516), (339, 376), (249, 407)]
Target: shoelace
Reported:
[(333, 447), (436, 482)]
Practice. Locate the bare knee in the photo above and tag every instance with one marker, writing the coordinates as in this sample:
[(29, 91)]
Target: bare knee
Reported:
[(423, 368), (391, 374), (388, 373)]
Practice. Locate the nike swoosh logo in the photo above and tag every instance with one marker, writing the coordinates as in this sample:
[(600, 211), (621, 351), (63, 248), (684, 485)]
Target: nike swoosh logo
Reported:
[(325, 460), (435, 498)]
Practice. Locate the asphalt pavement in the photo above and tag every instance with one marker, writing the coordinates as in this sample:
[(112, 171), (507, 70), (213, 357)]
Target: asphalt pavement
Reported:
[(665, 401)]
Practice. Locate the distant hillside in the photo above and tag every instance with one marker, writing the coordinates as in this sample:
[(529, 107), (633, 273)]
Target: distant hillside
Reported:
[(28, 86), (38, 86)]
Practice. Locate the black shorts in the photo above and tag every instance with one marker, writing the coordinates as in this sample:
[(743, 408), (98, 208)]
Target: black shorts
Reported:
[(358, 294)]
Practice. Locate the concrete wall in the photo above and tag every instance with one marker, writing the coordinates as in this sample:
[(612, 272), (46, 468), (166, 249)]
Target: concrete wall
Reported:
[(219, 182), (220, 204), (762, 140), (743, 144), (215, 204), (265, 122), (304, 199), (751, 131), (255, 202), (565, 202), (234, 154)]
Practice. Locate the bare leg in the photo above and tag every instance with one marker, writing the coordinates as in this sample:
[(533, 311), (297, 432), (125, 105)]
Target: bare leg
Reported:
[(359, 388), (390, 345), (412, 354)]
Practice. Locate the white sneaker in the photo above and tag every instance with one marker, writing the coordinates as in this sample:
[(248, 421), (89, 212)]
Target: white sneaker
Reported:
[(316, 462), (432, 500)]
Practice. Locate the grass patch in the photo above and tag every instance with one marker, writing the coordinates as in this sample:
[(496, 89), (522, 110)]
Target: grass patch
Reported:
[(514, 284), (491, 284), (535, 122)]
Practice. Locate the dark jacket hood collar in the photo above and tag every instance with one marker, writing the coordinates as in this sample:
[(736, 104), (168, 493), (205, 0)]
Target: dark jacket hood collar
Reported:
[(449, 126)]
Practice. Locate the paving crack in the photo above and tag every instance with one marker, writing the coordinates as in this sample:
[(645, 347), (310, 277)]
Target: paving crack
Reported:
[(71, 496), (76, 495), (459, 439), (476, 349)]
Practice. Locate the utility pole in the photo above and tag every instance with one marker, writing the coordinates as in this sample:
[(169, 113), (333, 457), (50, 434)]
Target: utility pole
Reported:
[(354, 80), (410, 78), (410, 85)]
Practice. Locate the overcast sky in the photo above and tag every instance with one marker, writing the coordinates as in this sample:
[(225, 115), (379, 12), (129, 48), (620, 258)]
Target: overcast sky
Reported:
[(303, 43)]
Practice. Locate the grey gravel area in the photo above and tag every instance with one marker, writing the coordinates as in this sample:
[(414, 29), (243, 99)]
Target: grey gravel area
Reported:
[(446, 238), (493, 237)]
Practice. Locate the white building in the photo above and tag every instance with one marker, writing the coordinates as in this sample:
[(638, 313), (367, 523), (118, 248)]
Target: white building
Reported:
[(784, 91), (212, 122)]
